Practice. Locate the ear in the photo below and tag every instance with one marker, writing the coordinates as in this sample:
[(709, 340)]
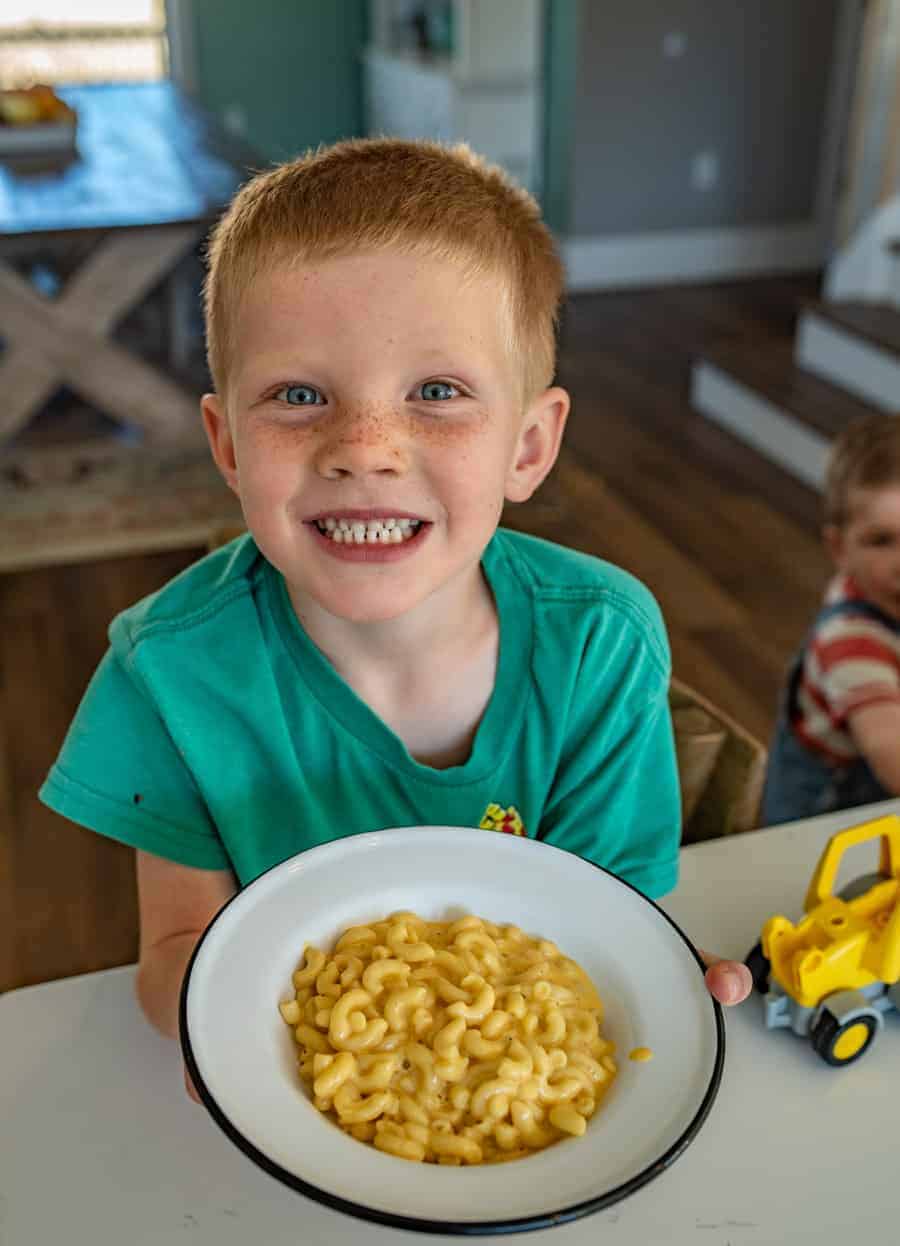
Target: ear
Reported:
[(538, 443), (833, 539), (221, 443)]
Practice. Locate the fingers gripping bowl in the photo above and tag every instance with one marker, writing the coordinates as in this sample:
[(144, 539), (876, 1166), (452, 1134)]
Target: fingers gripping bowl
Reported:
[(243, 1058)]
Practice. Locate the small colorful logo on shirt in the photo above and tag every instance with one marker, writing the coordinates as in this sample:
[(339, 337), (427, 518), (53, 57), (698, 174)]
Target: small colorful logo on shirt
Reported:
[(496, 818)]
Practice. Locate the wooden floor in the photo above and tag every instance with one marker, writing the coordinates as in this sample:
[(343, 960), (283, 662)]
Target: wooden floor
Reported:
[(728, 544)]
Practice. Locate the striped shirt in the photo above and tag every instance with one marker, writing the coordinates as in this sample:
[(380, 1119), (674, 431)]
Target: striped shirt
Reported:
[(849, 661)]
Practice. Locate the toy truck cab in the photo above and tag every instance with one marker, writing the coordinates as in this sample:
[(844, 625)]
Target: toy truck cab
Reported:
[(834, 974)]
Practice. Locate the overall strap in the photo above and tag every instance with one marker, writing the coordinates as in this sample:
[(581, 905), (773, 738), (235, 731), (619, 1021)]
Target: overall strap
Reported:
[(857, 607)]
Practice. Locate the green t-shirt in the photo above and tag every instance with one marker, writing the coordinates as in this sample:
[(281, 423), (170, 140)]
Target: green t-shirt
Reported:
[(215, 733)]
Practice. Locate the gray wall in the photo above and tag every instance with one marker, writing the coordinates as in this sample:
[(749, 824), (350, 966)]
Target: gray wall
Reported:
[(751, 86)]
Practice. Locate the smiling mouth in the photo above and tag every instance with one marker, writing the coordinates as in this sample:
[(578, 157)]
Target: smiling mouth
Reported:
[(369, 532)]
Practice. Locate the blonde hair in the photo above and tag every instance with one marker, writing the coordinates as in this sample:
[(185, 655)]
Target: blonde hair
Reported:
[(444, 202), (865, 455)]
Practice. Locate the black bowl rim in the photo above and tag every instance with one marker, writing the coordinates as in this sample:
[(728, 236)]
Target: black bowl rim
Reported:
[(469, 1228)]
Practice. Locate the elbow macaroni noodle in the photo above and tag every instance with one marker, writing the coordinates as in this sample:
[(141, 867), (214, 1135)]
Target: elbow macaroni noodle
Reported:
[(450, 1042)]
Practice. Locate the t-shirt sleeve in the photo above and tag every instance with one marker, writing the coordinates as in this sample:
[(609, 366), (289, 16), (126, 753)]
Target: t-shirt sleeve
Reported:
[(616, 798), (120, 773), (856, 663)]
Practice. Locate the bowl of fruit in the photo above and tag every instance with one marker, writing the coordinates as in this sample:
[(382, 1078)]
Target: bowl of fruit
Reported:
[(35, 121)]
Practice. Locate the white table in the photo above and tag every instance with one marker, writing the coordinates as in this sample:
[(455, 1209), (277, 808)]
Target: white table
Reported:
[(99, 1144)]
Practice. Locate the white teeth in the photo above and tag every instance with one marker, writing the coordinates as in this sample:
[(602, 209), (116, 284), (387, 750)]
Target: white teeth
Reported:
[(368, 532)]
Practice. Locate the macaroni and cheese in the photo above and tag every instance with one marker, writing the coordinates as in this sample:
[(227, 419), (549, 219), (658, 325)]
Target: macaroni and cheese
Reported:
[(458, 1042)]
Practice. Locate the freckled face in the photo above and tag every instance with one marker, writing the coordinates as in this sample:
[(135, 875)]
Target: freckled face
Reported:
[(366, 388)]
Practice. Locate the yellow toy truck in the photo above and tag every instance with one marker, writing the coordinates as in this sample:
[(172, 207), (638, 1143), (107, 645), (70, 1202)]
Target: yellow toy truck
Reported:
[(833, 975)]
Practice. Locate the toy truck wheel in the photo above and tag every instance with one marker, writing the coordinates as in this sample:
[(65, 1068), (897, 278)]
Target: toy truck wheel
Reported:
[(838, 1044), (759, 967)]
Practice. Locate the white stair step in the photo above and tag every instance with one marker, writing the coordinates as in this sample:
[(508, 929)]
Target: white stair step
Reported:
[(790, 416), (855, 346)]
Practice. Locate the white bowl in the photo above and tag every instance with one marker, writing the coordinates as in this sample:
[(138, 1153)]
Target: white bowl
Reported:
[(241, 1054)]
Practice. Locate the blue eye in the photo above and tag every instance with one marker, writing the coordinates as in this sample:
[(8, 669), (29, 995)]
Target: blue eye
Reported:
[(299, 395), (439, 385)]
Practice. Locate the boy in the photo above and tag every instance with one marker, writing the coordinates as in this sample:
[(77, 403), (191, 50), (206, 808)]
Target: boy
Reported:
[(837, 741), (380, 319)]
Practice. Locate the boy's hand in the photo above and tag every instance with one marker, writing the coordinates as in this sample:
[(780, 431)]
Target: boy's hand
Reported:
[(728, 981), (190, 1087)]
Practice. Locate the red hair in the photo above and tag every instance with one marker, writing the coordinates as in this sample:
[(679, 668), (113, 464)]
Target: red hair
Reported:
[(444, 202)]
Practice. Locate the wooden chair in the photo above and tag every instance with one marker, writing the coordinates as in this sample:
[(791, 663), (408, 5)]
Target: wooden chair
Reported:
[(721, 767), (222, 535)]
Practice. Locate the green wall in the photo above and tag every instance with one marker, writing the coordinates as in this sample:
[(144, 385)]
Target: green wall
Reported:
[(561, 26), (291, 67)]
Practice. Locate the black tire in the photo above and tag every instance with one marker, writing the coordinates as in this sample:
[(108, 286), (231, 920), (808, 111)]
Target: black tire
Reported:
[(759, 967), (827, 1033)]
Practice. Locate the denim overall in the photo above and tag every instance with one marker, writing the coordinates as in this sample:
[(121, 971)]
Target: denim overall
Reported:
[(799, 782)]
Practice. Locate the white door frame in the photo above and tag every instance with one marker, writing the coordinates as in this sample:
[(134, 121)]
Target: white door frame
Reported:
[(864, 155)]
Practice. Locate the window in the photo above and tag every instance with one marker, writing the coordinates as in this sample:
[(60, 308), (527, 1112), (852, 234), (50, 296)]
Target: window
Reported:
[(102, 41)]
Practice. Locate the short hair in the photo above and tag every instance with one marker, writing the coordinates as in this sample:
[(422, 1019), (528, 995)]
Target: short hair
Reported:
[(421, 197), (865, 455)]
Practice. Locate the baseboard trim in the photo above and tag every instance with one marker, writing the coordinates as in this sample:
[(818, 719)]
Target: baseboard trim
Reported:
[(694, 255), (777, 436)]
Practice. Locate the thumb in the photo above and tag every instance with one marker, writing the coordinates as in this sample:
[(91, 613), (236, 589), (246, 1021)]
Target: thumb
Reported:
[(728, 981)]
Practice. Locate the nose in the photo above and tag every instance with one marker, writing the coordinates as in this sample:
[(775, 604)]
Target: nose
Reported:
[(363, 442)]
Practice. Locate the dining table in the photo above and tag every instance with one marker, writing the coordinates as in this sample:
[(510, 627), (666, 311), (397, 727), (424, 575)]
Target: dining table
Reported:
[(99, 1142), (85, 238)]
